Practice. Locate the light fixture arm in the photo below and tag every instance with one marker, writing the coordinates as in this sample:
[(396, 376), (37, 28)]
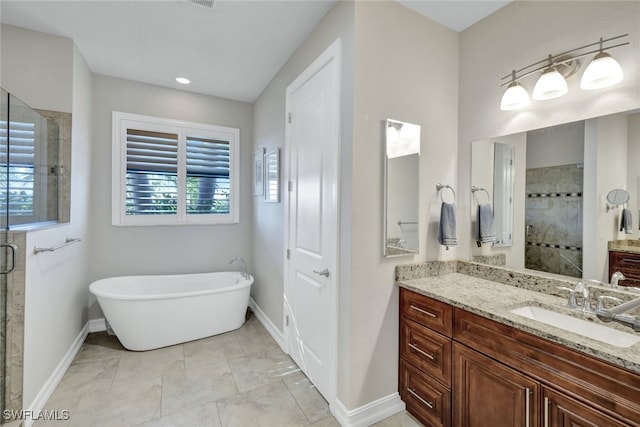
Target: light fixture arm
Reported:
[(561, 58)]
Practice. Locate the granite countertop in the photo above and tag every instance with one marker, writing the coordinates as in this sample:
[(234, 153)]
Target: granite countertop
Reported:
[(493, 300), (629, 245)]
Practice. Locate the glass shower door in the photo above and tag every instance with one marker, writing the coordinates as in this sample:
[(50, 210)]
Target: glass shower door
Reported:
[(7, 254)]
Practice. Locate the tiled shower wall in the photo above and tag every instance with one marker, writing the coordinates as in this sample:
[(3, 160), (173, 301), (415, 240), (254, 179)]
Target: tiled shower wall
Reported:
[(553, 219)]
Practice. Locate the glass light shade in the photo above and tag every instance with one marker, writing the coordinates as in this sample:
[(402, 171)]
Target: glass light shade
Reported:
[(602, 71), (514, 97), (550, 85)]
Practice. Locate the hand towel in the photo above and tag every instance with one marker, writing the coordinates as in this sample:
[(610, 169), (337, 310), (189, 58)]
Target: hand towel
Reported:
[(625, 221), (447, 231), (485, 232)]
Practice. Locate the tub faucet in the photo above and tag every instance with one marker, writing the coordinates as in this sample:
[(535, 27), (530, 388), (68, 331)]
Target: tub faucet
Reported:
[(243, 266), (615, 278)]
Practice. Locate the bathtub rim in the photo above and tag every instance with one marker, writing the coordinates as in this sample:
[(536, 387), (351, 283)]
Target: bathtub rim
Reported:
[(243, 283)]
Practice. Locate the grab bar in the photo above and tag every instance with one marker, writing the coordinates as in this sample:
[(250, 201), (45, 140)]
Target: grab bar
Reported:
[(68, 241), (401, 223)]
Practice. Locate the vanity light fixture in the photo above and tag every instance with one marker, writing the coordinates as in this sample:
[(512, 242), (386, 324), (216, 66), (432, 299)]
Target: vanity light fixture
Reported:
[(603, 71), (183, 80)]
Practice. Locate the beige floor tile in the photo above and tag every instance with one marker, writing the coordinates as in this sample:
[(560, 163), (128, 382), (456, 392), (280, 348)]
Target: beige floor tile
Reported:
[(311, 402), (254, 338), (327, 422), (401, 419), (267, 406), (85, 378), (200, 416), (99, 346), (259, 369), (212, 349), (59, 407), (127, 404), (196, 386), (150, 364)]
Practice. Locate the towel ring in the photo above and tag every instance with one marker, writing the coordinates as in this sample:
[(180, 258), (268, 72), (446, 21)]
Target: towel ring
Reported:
[(474, 191), (440, 187)]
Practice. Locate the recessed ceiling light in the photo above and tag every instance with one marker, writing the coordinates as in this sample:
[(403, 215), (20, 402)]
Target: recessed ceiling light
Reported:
[(183, 80)]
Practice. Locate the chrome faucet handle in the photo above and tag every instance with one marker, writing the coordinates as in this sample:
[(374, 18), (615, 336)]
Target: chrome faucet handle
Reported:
[(584, 288), (571, 303), (615, 278), (603, 298)]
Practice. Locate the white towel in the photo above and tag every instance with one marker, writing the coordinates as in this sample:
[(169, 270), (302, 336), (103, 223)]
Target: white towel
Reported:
[(447, 230), (485, 232)]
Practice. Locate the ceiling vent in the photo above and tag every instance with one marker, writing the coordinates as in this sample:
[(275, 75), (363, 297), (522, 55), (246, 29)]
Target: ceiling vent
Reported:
[(206, 4)]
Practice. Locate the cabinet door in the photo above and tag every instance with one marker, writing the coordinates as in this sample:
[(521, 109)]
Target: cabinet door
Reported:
[(560, 410), (426, 399), (488, 393)]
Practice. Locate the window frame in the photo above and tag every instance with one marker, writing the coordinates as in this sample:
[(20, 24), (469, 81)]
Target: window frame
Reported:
[(123, 121)]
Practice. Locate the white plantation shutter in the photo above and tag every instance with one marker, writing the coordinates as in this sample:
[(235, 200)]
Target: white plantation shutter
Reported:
[(152, 173), (173, 172), (17, 155)]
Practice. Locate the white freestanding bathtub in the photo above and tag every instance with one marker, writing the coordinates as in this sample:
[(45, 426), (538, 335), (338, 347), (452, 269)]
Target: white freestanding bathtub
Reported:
[(147, 312)]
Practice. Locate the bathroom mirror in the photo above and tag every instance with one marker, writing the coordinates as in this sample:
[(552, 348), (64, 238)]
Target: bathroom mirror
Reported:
[(564, 187), (401, 178), (617, 197)]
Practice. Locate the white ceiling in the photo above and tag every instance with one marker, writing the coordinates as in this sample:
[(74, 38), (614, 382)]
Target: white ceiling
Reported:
[(231, 51)]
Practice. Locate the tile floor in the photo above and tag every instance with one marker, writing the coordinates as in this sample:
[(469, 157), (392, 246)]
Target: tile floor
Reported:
[(241, 378)]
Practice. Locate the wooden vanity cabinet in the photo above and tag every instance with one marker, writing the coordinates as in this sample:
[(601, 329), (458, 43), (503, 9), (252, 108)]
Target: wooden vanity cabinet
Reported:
[(425, 358), (627, 263), (497, 375)]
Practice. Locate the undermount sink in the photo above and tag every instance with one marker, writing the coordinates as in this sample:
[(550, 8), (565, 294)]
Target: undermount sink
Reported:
[(579, 326)]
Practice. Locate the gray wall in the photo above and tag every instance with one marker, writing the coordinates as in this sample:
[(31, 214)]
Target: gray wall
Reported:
[(162, 249)]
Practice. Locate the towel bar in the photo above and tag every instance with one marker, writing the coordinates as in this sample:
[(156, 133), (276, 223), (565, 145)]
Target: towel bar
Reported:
[(68, 241)]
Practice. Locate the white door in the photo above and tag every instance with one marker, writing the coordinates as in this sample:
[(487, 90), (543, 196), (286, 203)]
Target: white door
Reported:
[(311, 227)]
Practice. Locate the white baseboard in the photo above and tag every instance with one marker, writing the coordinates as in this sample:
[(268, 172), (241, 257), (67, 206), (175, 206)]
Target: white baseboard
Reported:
[(370, 413), (97, 325), (54, 379), (268, 324)]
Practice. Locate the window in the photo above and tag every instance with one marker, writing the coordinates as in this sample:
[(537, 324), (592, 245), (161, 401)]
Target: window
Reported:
[(172, 172)]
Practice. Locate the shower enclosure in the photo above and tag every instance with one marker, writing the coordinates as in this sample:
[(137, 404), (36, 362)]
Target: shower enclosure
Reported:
[(29, 181)]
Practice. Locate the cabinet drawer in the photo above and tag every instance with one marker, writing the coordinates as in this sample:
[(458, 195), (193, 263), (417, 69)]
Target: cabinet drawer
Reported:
[(426, 349), (426, 311), (560, 410), (426, 399)]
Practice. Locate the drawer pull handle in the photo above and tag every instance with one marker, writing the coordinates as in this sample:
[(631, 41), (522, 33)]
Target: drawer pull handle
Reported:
[(422, 352), (414, 394), (546, 412), (419, 310), (527, 407), (630, 260)]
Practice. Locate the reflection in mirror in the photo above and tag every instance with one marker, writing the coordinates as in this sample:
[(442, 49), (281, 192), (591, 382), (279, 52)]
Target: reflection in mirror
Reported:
[(402, 155), (503, 175), (561, 223)]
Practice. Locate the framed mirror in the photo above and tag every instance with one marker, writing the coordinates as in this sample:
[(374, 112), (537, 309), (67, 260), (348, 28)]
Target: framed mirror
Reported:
[(401, 178)]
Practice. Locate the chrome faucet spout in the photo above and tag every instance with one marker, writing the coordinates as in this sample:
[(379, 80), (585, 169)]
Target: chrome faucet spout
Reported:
[(243, 266), (615, 278)]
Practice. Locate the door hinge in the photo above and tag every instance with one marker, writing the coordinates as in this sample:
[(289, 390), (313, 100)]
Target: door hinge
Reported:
[(286, 320), (288, 253), (289, 117), (290, 186)]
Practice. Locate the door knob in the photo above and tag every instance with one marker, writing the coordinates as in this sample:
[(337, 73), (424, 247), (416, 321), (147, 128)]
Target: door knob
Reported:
[(324, 272)]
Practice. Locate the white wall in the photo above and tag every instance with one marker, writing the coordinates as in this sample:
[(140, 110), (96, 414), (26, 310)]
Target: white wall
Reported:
[(406, 68), (555, 146), (605, 169), (269, 132), (48, 72), (162, 249), (524, 32)]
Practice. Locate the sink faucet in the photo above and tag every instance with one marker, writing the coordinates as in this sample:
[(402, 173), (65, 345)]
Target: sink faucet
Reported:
[(615, 314), (615, 278), (243, 266), (584, 288)]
